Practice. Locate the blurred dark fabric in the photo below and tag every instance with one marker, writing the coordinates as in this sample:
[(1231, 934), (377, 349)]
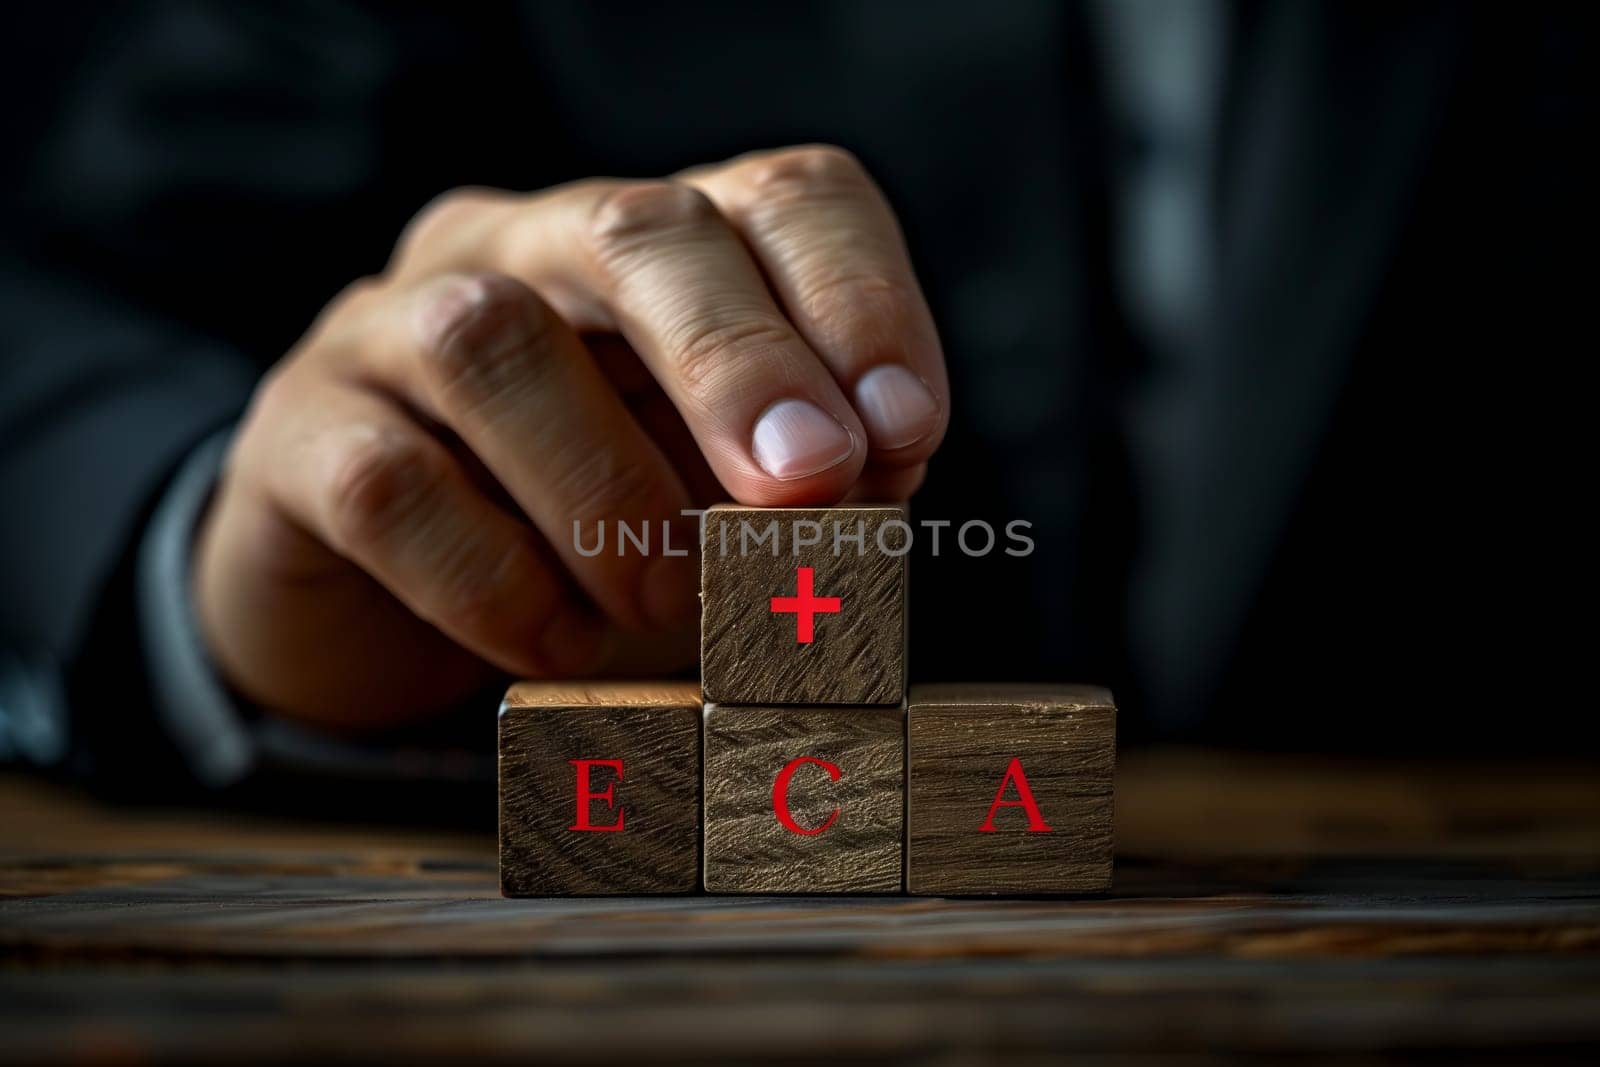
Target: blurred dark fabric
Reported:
[(1350, 537)]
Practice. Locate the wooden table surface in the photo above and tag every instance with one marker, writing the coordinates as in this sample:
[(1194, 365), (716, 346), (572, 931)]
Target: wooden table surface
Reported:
[(1263, 906)]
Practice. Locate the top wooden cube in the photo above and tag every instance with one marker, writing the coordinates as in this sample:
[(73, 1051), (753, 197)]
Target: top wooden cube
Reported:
[(804, 605)]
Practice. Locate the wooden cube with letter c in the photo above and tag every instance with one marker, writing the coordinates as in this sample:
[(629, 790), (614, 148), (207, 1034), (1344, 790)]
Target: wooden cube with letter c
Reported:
[(804, 605), (1009, 789), (599, 788), (804, 799)]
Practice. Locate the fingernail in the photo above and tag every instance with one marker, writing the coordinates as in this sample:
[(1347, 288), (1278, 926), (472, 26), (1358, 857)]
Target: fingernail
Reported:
[(897, 409), (572, 643), (796, 439), (670, 590)]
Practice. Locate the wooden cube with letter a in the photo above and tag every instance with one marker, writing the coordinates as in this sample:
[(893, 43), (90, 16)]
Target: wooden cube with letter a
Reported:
[(804, 605), (1009, 789), (804, 800), (600, 788)]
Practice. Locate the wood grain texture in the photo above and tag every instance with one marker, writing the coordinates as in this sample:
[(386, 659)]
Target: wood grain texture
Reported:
[(654, 729), (960, 743), (747, 849), (750, 655)]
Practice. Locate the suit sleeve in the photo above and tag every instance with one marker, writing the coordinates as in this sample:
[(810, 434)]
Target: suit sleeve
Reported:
[(213, 174)]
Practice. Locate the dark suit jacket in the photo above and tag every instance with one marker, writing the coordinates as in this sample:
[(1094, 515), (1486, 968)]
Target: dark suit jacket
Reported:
[(1330, 541)]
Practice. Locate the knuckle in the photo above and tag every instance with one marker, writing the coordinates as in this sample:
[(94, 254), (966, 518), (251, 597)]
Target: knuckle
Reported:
[(708, 353), (359, 295), (441, 214), (274, 397), (866, 315), (344, 315), (875, 292), (637, 212), (378, 483), (488, 342), (807, 171)]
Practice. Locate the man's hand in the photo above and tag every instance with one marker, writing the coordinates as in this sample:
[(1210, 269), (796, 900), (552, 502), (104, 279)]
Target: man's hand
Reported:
[(395, 524)]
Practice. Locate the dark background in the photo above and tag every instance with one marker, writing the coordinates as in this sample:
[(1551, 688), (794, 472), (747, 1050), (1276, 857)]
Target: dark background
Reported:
[(1344, 515)]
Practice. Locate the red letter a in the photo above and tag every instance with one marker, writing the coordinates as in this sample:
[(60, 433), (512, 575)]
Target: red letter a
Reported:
[(1036, 823), (606, 794)]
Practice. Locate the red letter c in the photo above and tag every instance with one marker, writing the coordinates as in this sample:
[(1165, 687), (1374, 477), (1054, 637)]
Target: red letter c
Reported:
[(780, 795)]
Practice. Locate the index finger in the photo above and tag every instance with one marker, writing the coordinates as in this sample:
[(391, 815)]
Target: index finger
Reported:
[(832, 251), (656, 262)]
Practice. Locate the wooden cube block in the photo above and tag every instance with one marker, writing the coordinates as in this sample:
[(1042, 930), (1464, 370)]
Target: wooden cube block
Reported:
[(804, 800), (804, 605), (1009, 789), (599, 788)]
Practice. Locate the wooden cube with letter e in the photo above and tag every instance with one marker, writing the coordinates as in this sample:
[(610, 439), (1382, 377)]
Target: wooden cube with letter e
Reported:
[(1009, 789), (599, 788), (804, 605)]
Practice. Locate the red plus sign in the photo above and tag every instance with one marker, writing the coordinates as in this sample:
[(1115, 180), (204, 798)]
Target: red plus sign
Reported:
[(804, 606)]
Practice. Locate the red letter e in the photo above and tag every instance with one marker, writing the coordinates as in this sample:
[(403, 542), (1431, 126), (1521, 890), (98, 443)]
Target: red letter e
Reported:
[(585, 797)]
